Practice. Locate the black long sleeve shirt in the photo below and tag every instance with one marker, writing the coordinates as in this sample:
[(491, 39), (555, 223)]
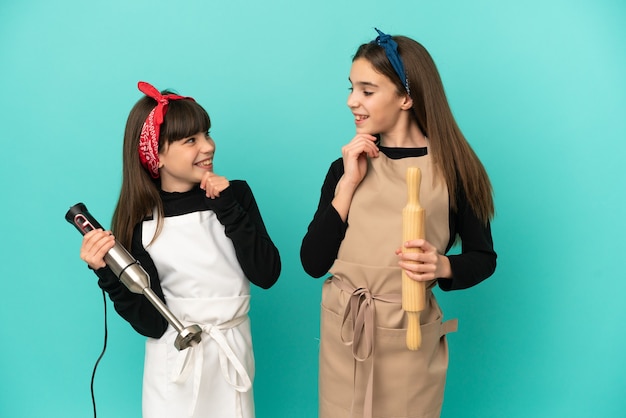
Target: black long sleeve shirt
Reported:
[(237, 210), (477, 259)]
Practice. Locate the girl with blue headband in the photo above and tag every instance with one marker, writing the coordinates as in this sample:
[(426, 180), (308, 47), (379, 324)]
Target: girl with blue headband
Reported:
[(402, 119)]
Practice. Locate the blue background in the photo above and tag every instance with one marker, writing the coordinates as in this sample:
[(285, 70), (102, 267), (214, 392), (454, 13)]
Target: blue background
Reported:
[(538, 87)]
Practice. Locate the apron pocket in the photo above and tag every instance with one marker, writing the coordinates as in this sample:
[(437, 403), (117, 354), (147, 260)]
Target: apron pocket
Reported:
[(406, 383), (410, 383), (336, 368)]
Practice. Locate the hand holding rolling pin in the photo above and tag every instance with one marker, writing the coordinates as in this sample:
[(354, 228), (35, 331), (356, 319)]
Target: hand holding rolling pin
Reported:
[(419, 260), (425, 265)]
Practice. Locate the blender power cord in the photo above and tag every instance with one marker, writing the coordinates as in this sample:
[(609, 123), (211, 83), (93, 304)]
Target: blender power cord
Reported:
[(104, 347)]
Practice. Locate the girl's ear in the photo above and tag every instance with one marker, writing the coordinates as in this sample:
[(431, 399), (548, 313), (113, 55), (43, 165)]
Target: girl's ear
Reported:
[(407, 103)]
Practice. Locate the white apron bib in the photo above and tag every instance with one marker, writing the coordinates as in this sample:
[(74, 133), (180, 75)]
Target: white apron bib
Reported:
[(203, 284)]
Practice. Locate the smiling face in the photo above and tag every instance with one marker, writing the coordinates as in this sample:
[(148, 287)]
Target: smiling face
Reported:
[(182, 163), (374, 100)]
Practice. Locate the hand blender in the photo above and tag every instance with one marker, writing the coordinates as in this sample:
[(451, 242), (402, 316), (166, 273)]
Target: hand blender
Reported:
[(133, 276)]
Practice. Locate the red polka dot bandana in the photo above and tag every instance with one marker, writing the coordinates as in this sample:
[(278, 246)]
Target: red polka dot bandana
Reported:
[(149, 138)]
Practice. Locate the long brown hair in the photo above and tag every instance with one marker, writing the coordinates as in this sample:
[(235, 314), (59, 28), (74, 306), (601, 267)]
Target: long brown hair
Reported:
[(451, 153), (139, 194)]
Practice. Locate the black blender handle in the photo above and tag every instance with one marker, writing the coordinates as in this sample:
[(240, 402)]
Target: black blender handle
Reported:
[(79, 216)]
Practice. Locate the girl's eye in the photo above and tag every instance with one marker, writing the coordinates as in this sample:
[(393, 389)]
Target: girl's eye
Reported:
[(365, 93), (190, 140)]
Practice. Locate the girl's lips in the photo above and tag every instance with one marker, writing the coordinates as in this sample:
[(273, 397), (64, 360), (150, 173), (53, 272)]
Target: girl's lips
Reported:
[(360, 118), (206, 164)]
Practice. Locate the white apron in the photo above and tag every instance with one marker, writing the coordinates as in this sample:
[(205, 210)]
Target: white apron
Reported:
[(203, 284)]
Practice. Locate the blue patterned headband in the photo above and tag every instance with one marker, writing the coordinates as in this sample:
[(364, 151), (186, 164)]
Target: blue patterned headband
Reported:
[(391, 50)]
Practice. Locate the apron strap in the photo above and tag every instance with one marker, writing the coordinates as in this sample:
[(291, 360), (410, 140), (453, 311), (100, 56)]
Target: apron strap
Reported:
[(451, 325), (361, 310), (194, 358)]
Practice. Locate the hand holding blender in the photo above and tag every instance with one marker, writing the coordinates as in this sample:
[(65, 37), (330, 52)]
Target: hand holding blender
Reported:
[(133, 276)]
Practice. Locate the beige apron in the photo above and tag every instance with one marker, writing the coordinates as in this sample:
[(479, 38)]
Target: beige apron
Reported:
[(365, 367)]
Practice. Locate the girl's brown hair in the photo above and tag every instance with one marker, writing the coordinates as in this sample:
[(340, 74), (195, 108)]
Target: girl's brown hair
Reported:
[(451, 153), (139, 194)]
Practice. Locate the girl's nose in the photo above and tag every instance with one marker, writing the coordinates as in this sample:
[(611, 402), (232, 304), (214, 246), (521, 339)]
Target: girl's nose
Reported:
[(208, 145), (351, 102)]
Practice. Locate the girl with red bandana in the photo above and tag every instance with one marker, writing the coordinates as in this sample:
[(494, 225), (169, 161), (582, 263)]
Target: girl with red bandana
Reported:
[(202, 241)]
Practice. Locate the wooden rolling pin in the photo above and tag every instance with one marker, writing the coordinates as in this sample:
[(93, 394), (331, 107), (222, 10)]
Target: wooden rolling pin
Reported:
[(413, 292)]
